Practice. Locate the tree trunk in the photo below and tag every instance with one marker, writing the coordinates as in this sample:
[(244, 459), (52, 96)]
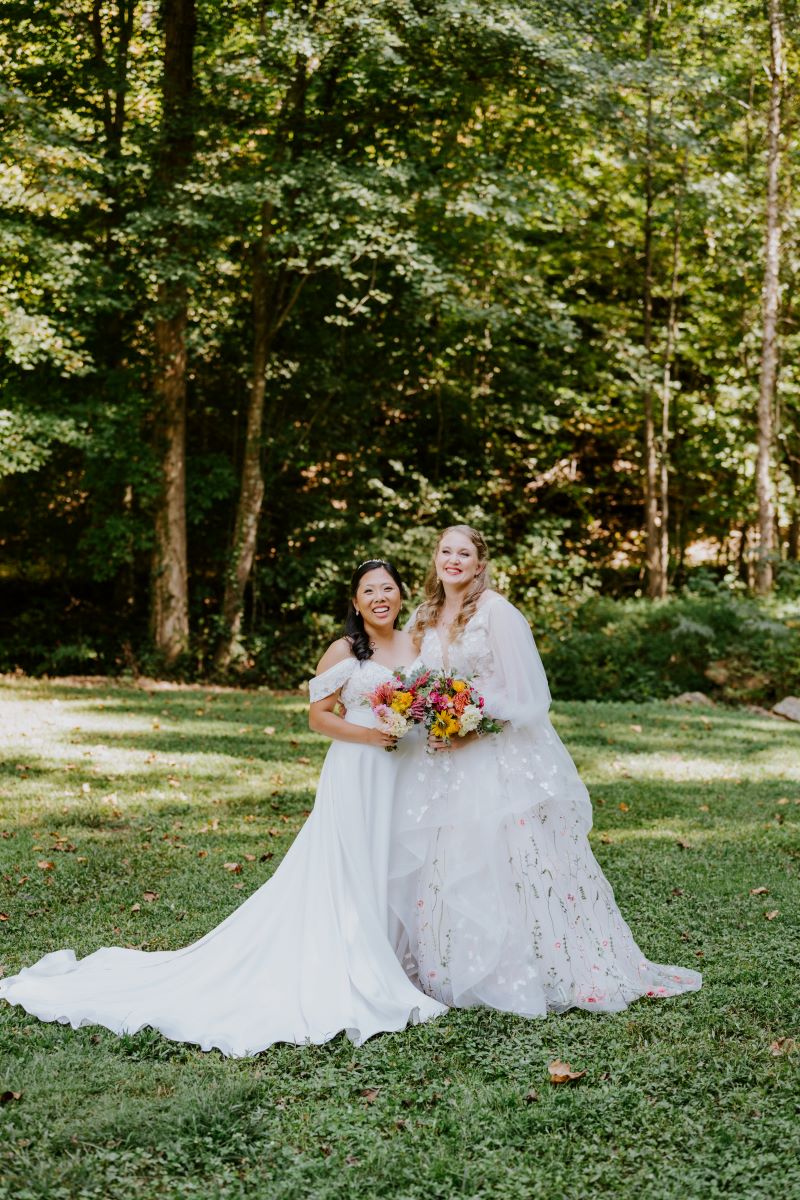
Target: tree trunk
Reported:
[(666, 389), (170, 598), (274, 297), (793, 538), (251, 495), (765, 488), (652, 544)]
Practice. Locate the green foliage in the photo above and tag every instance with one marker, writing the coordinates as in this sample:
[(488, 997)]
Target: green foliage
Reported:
[(707, 639), (447, 201)]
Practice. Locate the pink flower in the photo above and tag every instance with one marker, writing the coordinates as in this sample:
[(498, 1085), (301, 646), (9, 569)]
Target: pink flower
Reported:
[(522, 820), (605, 941), (651, 993), (570, 897), (431, 974), (383, 694), (591, 1000), (420, 904), (557, 945), (595, 967)]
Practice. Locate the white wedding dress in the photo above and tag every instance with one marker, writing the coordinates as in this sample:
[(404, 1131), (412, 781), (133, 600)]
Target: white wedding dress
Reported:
[(305, 957), (495, 894)]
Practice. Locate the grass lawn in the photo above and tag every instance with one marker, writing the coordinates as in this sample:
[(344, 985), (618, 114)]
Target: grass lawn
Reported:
[(134, 791)]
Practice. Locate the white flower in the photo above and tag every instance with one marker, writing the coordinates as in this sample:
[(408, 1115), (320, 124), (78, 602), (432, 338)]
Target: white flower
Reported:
[(470, 719)]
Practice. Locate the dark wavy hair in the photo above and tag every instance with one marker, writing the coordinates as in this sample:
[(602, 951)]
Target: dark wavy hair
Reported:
[(354, 629)]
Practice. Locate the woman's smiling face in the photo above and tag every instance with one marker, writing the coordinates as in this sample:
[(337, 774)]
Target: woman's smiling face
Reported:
[(457, 560), (378, 599)]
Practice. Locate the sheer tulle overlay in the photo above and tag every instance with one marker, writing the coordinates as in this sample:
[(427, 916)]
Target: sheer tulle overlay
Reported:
[(496, 898), (305, 957)]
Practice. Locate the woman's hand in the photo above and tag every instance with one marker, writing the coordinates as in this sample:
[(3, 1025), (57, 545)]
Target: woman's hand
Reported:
[(456, 743), (376, 737)]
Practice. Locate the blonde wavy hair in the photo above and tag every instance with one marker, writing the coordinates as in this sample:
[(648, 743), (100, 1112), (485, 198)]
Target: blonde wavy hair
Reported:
[(430, 610)]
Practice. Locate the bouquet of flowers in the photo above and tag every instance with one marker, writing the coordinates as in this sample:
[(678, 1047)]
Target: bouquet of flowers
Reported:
[(395, 706), (446, 706), (449, 707)]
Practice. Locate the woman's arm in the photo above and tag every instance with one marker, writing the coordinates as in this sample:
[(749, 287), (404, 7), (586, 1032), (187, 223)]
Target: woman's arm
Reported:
[(323, 718), (516, 689)]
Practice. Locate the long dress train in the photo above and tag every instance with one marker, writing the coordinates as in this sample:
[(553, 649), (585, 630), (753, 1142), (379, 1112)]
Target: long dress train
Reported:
[(496, 897), (305, 957)]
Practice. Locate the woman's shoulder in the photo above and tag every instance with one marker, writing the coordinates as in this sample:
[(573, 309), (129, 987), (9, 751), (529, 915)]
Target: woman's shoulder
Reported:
[(490, 599), (502, 611), (338, 652)]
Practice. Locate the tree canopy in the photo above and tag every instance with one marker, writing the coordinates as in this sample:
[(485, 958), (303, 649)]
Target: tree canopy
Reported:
[(317, 278)]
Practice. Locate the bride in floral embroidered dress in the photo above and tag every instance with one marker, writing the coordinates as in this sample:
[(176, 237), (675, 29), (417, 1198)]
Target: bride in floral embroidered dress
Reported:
[(495, 894), (307, 955)]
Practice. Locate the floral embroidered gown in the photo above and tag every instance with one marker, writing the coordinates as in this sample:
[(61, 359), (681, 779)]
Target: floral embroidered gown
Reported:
[(306, 956), (495, 894)]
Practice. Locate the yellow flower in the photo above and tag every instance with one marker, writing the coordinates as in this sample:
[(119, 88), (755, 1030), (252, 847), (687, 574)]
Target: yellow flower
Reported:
[(402, 701), (459, 685), (444, 726)]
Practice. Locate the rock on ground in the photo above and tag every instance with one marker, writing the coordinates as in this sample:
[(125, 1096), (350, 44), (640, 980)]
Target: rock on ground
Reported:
[(789, 707), (692, 698)]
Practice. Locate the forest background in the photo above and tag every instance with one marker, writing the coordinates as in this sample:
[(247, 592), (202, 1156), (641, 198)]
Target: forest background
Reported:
[(284, 287)]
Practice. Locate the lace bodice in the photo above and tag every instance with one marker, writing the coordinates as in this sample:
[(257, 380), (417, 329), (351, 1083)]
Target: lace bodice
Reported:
[(356, 680), (470, 654), (496, 649)]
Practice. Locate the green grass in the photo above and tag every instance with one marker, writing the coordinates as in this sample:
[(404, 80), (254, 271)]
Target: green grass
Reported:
[(155, 790)]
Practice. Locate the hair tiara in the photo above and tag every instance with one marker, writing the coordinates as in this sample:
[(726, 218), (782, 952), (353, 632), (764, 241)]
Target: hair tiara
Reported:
[(379, 562)]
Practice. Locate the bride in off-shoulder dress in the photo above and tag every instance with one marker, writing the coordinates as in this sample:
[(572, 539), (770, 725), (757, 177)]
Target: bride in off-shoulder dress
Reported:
[(307, 955)]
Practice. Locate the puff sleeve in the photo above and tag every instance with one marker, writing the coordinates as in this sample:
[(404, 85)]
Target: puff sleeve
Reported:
[(515, 688), (331, 680)]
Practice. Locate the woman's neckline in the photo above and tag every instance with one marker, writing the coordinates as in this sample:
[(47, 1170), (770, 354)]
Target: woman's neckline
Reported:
[(491, 596), (386, 667)]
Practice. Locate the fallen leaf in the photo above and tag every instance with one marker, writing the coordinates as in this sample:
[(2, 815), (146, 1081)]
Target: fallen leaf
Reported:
[(704, 808), (249, 857), (233, 866), (135, 907), (623, 807), (44, 865), (351, 1160), (784, 1045), (636, 728), (606, 840), (326, 1150), (238, 885), (269, 730), (677, 891), (3, 916), (266, 857), (772, 914), (684, 845), (370, 1095), (531, 1096), (9, 1097), (562, 1072), (783, 800), (759, 891), (304, 760), (149, 896)]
